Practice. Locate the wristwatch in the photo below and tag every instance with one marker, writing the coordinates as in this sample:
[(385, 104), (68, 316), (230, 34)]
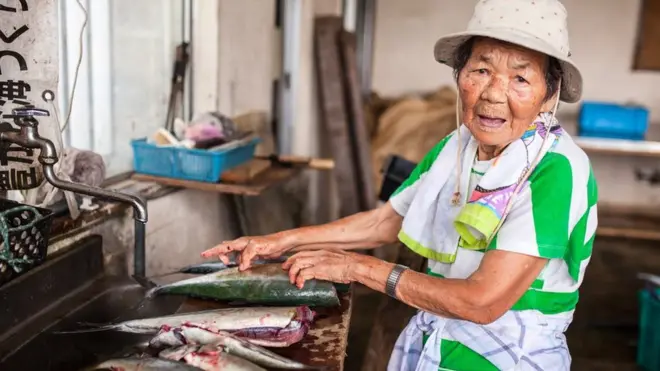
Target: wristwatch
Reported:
[(393, 280)]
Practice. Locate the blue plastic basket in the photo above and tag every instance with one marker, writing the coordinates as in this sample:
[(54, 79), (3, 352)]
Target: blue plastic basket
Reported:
[(648, 346), (188, 164), (607, 120)]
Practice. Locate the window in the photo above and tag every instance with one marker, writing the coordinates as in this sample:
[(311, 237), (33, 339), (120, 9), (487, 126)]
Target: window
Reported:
[(123, 86)]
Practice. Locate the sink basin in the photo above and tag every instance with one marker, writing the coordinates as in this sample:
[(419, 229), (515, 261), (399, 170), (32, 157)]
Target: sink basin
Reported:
[(72, 289)]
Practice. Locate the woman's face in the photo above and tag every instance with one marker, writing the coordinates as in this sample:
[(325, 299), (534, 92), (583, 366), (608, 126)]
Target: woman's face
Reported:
[(502, 89)]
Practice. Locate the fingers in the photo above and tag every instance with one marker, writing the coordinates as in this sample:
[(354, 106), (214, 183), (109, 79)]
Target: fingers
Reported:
[(304, 275), (225, 248), (302, 255), (224, 259), (305, 261), (296, 268), (248, 254)]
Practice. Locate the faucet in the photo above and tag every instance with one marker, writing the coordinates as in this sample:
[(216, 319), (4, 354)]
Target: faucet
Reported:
[(28, 137)]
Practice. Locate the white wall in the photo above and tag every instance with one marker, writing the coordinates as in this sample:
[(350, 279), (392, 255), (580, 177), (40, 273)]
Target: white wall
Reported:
[(602, 42), (235, 59)]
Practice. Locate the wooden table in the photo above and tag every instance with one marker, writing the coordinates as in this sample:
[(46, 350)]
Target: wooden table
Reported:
[(325, 343)]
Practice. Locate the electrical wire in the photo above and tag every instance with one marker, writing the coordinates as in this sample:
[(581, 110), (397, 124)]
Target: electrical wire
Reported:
[(75, 76)]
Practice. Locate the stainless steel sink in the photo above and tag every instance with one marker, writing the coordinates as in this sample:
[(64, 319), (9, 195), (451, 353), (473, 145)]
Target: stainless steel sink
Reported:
[(61, 295)]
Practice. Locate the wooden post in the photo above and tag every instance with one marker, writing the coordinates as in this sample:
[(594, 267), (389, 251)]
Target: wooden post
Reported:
[(391, 318)]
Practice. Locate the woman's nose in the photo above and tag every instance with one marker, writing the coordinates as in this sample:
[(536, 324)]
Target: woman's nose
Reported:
[(495, 91)]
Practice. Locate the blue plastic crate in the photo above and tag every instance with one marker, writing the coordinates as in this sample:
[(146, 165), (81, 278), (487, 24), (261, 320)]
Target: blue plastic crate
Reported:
[(188, 164), (608, 120), (648, 346)]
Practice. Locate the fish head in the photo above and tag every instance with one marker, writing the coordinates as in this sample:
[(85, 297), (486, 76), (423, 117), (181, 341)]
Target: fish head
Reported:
[(168, 337), (178, 353)]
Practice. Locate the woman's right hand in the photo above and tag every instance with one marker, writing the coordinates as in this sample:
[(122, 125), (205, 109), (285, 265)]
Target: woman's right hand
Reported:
[(249, 248)]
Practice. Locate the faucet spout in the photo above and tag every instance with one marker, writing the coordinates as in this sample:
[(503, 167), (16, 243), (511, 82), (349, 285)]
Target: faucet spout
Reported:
[(28, 137)]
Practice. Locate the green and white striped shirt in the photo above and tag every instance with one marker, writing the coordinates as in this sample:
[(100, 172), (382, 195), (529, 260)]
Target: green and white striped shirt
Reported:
[(554, 218)]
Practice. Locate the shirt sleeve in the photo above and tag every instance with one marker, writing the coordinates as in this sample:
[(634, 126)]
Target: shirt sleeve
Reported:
[(539, 221), (403, 196)]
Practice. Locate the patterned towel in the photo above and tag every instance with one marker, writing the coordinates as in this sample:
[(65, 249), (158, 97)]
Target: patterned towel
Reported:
[(516, 341), (478, 221)]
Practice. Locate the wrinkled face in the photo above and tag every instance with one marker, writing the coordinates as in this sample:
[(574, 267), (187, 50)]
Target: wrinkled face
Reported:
[(502, 89)]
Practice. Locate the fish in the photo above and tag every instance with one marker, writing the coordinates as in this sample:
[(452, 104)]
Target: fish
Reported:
[(231, 344), (144, 364), (260, 284), (211, 267), (265, 326), (209, 358)]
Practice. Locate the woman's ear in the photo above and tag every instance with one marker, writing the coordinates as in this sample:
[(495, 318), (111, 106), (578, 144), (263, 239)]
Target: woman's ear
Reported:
[(551, 104)]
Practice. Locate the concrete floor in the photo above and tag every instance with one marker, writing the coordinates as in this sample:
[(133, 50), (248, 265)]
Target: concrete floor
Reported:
[(604, 332)]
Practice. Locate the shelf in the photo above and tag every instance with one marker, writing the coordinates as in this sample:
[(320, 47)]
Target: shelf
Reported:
[(619, 146), (264, 180)]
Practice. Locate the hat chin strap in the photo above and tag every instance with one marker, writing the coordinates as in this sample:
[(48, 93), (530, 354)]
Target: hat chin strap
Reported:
[(456, 199)]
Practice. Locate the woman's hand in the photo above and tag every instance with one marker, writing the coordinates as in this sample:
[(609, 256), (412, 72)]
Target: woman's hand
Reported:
[(249, 248), (328, 265)]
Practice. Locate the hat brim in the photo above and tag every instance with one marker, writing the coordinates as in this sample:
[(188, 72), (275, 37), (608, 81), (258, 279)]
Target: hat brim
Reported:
[(571, 83)]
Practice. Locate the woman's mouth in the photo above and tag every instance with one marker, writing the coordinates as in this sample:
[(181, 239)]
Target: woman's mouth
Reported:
[(491, 122)]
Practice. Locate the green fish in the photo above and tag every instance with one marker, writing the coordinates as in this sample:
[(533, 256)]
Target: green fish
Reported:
[(261, 284)]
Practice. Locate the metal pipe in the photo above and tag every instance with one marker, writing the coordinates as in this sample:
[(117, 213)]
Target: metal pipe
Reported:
[(139, 206), (28, 137)]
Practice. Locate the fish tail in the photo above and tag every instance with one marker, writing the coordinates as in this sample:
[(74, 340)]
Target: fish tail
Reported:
[(93, 327), (165, 274), (150, 294)]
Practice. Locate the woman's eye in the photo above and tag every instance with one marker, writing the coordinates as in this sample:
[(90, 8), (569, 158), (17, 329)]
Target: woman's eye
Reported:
[(520, 79), (482, 71)]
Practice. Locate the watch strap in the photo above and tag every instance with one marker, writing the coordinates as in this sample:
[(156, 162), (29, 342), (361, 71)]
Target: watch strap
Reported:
[(393, 279)]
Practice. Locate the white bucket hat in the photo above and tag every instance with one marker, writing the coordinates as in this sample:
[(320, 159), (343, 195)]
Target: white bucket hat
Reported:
[(539, 25)]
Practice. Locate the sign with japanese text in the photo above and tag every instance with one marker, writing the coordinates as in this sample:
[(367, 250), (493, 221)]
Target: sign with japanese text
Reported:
[(29, 68)]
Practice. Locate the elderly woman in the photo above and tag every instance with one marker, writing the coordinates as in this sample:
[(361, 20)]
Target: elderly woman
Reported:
[(504, 208)]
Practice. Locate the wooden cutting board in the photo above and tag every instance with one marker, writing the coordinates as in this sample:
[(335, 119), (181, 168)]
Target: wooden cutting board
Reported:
[(244, 173)]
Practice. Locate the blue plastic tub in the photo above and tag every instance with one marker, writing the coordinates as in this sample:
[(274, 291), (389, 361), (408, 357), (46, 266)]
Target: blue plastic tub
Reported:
[(648, 346), (608, 120), (188, 164)]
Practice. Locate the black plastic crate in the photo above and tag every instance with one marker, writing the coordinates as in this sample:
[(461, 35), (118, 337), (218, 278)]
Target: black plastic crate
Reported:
[(28, 229), (396, 170)]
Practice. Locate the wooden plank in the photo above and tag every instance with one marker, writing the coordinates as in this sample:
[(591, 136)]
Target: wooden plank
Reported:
[(361, 144), (325, 343), (246, 172), (333, 111), (263, 181), (392, 316), (647, 49), (639, 234)]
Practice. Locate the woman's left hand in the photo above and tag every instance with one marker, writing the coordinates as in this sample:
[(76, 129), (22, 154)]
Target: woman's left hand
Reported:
[(327, 265)]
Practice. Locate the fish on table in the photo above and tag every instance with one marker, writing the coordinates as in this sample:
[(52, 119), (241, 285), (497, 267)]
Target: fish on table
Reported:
[(266, 326), (209, 358), (145, 364), (228, 343), (211, 267), (260, 284)]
